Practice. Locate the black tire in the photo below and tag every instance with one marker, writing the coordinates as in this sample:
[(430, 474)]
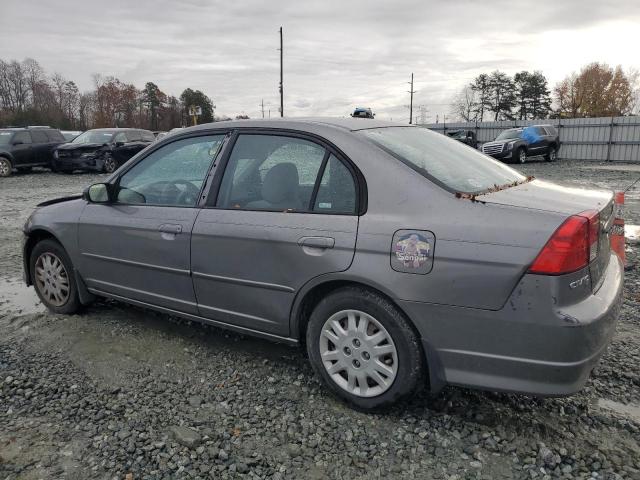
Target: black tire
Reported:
[(552, 154), (72, 303), (411, 363), (6, 167), (520, 156), (110, 165)]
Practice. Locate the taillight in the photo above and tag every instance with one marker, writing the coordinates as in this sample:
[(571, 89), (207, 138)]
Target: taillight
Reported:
[(572, 246)]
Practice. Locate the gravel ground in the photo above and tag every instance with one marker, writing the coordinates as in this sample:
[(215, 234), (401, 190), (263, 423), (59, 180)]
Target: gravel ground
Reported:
[(119, 392)]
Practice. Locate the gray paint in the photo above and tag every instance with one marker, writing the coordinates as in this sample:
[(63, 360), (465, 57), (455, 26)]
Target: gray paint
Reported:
[(484, 322)]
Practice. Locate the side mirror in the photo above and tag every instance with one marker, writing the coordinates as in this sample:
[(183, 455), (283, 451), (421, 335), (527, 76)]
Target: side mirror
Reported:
[(98, 193)]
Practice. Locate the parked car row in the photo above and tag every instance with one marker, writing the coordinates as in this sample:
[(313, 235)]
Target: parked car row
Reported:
[(102, 150), (516, 144)]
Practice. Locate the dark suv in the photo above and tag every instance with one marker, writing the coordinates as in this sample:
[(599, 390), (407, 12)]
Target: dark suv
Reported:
[(517, 144), (101, 149), (23, 148)]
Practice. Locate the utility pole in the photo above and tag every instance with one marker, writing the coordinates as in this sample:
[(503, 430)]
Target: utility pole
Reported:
[(412, 91), (281, 84), (262, 107)]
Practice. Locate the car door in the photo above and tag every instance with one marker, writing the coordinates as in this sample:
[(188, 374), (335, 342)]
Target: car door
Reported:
[(138, 245), (22, 149), (40, 146), (285, 212), (539, 146)]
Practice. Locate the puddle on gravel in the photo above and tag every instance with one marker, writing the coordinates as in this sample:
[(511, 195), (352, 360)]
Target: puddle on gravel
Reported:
[(15, 296), (630, 411)]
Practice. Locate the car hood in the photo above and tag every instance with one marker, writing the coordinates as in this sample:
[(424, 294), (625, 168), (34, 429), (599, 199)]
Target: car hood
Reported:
[(550, 197), (86, 147), (59, 200)]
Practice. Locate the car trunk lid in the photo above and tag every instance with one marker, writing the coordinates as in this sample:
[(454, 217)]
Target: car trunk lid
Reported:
[(546, 196)]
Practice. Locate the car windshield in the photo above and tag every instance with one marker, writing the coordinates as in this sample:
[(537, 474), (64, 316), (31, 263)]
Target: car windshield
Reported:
[(447, 162), (509, 134), (94, 137), (458, 134), (5, 138)]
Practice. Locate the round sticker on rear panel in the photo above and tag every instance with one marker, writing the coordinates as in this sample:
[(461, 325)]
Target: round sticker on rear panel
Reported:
[(412, 251)]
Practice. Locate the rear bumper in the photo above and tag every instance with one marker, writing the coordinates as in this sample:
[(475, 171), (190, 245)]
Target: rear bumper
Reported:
[(521, 348)]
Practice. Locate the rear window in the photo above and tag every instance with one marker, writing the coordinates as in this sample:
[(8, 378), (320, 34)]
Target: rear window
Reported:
[(54, 136), (449, 163)]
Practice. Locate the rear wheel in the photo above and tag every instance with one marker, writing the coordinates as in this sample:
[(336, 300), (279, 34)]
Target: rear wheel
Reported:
[(552, 154), (5, 167), (52, 275), (364, 349), (521, 155), (109, 164)]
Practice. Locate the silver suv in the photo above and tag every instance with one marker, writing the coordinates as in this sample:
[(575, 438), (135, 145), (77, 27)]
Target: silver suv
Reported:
[(395, 255)]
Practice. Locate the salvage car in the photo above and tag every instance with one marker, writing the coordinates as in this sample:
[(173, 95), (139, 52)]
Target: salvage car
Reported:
[(468, 137), (69, 135), (518, 144), (461, 271), (27, 147), (101, 149)]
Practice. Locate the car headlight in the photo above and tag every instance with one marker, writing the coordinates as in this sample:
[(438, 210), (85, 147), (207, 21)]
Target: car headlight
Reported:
[(510, 145), (86, 155), (55, 154)]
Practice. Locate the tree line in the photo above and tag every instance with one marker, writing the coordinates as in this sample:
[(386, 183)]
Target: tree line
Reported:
[(29, 96), (598, 90)]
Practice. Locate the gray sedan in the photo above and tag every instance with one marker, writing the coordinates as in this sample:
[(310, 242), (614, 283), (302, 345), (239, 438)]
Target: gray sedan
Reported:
[(397, 256)]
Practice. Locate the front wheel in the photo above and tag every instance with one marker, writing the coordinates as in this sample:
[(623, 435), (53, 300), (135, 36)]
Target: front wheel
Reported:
[(521, 155), (5, 167), (52, 275), (109, 164), (363, 348)]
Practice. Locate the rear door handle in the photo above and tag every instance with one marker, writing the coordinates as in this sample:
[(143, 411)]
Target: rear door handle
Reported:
[(170, 228), (317, 242)]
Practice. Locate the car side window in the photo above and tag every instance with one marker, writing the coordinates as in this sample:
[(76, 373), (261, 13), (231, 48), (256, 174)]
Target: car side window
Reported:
[(54, 136), (134, 136), (172, 175), (147, 136), (270, 172), (337, 191), (541, 131), (23, 137), (39, 136), (120, 137)]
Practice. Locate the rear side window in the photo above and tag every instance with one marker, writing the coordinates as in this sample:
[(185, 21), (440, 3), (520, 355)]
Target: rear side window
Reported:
[(147, 136), (271, 172), (39, 136), (23, 137), (445, 161), (337, 190), (54, 136), (134, 136), (541, 131)]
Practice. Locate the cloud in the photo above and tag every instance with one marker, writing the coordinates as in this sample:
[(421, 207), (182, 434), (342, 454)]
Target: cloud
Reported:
[(337, 54)]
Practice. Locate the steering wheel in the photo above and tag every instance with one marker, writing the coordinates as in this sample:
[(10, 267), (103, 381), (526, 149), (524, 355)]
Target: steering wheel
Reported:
[(190, 194)]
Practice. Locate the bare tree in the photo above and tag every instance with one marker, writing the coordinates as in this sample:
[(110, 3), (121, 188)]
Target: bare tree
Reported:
[(464, 104)]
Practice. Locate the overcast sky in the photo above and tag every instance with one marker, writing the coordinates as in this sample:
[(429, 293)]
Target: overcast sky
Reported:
[(337, 54)]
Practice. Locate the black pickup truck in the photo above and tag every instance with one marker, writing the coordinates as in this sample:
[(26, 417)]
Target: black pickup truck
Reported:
[(518, 144)]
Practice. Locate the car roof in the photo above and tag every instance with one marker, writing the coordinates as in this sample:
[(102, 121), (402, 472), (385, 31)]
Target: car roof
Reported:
[(343, 123)]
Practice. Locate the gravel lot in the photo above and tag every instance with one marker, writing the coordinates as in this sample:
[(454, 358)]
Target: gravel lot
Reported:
[(119, 392)]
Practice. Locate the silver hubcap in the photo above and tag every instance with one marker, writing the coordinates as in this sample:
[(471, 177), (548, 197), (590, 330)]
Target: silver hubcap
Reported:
[(4, 167), (552, 154), (523, 156), (52, 279), (358, 353), (109, 165)]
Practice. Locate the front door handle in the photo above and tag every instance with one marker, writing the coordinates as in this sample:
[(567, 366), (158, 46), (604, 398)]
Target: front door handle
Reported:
[(170, 228), (317, 242)]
